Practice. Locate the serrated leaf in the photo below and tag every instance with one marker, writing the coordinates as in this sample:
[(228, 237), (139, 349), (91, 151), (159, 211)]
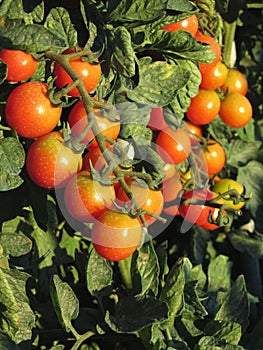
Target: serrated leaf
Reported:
[(59, 24), (244, 241), (16, 11), (15, 244), (145, 270), (17, 319), (99, 273), (65, 302), (249, 152), (12, 155), (71, 244), (228, 331), (235, 307), (219, 274), (133, 314), (168, 80)]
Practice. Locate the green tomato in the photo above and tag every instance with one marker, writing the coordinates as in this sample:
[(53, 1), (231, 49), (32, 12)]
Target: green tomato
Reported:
[(225, 185)]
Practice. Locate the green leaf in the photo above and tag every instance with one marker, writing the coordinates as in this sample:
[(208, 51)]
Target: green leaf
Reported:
[(210, 343), (3, 71), (145, 270), (244, 241), (133, 314), (230, 332), (123, 56), (65, 302), (16, 11), (167, 78), (17, 318), (99, 273), (249, 152), (235, 307), (250, 176), (219, 274), (15, 244), (12, 159), (6, 343), (71, 244), (59, 24)]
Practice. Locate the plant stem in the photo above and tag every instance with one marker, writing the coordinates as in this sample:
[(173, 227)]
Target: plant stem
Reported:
[(81, 339), (125, 271), (229, 38)]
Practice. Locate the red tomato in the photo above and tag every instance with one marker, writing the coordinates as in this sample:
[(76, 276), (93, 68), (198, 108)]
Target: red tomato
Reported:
[(157, 121), (173, 146), (21, 65), (78, 121), (215, 48), (204, 107), (29, 111), (236, 110), (214, 156), (194, 130), (86, 199), (235, 82), (199, 213), (115, 235), (49, 162), (148, 199), (189, 24), (89, 73), (171, 195), (215, 77)]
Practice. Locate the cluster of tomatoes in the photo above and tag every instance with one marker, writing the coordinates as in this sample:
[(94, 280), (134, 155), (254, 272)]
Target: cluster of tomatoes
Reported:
[(119, 209)]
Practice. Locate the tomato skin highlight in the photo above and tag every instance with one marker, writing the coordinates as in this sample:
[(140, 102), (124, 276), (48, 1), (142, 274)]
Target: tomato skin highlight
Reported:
[(86, 199), (21, 65), (215, 77), (29, 111), (49, 163), (173, 146), (204, 107), (116, 236), (236, 82), (90, 74), (236, 110), (189, 24), (225, 185), (78, 120)]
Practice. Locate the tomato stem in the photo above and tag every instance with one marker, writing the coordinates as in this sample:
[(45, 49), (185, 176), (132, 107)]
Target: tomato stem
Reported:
[(125, 271), (81, 339), (229, 38)]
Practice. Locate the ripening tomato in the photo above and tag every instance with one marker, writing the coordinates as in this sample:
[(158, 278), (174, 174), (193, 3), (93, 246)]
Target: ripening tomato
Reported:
[(157, 121), (171, 194), (215, 77), (148, 199), (90, 73), (214, 157), (235, 82), (195, 131), (50, 162), (225, 185), (236, 110), (21, 65), (189, 24), (215, 48), (173, 146), (78, 121), (29, 111), (204, 107), (86, 199), (116, 236), (200, 213)]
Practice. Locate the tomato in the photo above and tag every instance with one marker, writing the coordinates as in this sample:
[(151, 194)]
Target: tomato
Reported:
[(78, 121), (21, 65), (215, 77), (235, 82), (189, 24), (194, 130), (148, 199), (215, 48), (90, 74), (199, 213), (173, 146), (157, 121), (214, 156), (169, 171), (236, 110), (225, 185), (49, 162), (29, 111), (86, 199), (204, 107), (171, 195), (115, 235)]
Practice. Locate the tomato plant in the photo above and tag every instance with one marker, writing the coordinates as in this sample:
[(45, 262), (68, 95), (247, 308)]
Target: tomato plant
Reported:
[(88, 72), (50, 162), (195, 131), (214, 157), (189, 24), (116, 235), (174, 146), (215, 77), (29, 111), (21, 65), (236, 82), (236, 110), (157, 121), (171, 194), (204, 107), (225, 185)]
